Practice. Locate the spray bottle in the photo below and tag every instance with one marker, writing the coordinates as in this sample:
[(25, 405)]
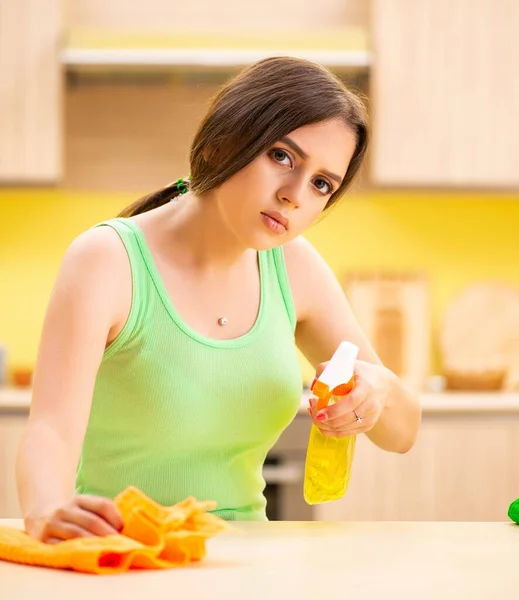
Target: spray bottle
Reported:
[(329, 459)]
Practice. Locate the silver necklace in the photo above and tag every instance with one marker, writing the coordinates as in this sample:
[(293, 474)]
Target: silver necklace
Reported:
[(222, 321)]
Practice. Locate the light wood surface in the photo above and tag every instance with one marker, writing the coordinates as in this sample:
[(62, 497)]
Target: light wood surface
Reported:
[(208, 35), (131, 136), (463, 467), (30, 91), (206, 14), (312, 560), (393, 310), (444, 94)]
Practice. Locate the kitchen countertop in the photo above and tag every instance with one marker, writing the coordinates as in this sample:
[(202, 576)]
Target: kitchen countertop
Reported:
[(13, 399), (310, 560)]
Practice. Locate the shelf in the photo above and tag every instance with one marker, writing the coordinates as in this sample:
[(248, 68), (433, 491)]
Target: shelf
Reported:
[(443, 402), (456, 402), (342, 48), (14, 399)]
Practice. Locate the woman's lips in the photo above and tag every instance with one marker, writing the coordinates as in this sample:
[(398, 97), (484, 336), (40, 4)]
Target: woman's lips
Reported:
[(275, 221)]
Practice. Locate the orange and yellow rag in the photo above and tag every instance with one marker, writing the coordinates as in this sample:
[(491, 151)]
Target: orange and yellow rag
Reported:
[(153, 537)]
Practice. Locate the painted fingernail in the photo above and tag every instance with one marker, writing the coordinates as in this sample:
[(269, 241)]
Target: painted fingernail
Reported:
[(309, 411), (321, 417)]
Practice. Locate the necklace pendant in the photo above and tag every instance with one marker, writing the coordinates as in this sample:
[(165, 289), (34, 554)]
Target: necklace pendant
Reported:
[(222, 321)]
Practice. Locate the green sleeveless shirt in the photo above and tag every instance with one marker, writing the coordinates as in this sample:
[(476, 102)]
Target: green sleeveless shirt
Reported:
[(177, 414)]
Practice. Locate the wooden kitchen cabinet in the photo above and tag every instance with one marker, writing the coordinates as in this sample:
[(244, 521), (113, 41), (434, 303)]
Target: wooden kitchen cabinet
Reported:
[(462, 468), (206, 15), (130, 116), (30, 91), (12, 424), (445, 93)]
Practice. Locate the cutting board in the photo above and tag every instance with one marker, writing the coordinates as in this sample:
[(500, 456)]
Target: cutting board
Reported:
[(479, 338), (393, 311)]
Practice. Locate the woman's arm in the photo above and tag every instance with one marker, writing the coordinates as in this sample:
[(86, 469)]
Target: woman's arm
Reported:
[(325, 318), (84, 307)]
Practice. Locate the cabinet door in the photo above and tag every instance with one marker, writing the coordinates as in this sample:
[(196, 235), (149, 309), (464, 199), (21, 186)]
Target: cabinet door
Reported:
[(11, 428), (207, 15), (462, 468), (445, 93), (30, 91)]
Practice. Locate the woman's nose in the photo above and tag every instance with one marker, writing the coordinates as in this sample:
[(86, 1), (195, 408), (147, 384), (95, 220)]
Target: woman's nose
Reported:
[(291, 194)]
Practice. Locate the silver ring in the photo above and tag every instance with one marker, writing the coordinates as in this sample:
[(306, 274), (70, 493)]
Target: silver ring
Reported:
[(359, 419)]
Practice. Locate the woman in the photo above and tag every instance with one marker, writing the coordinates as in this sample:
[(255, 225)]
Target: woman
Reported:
[(168, 353)]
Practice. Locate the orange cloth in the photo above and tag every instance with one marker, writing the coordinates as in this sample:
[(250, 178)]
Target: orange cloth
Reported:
[(153, 537)]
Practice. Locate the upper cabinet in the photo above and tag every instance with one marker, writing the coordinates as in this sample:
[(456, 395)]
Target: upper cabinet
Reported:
[(442, 74), (208, 34), (141, 75), (445, 93), (30, 91), (200, 16)]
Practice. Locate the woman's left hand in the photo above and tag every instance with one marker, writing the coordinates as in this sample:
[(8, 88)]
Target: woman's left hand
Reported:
[(358, 411)]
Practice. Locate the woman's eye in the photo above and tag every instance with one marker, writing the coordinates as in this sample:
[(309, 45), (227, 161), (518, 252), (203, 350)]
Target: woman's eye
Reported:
[(323, 186), (280, 156)]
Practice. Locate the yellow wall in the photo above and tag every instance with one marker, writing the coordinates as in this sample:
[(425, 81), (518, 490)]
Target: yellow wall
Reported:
[(456, 239)]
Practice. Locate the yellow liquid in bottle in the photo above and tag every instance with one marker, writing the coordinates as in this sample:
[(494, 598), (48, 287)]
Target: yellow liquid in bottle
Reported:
[(328, 464), (328, 467)]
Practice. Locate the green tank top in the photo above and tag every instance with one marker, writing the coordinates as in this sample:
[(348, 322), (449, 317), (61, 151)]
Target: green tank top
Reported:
[(177, 414)]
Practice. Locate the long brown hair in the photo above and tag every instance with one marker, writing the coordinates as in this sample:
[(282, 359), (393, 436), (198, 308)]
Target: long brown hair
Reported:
[(256, 109)]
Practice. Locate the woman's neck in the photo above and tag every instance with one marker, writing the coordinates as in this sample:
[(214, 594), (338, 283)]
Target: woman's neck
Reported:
[(192, 228)]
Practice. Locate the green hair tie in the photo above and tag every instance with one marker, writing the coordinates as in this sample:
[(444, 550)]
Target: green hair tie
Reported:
[(513, 511), (181, 185)]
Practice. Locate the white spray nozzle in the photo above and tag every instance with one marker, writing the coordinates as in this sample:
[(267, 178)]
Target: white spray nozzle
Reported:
[(340, 368)]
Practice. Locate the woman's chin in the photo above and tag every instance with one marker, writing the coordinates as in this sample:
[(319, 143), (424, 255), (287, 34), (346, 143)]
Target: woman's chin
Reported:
[(262, 243)]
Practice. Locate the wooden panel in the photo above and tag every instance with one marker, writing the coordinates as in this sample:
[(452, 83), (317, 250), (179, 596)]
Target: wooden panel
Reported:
[(445, 93), (207, 14), (30, 91), (131, 136), (11, 429), (393, 310), (462, 468)]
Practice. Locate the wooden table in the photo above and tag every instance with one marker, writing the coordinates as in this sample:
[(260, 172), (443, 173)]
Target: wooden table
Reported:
[(310, 560)]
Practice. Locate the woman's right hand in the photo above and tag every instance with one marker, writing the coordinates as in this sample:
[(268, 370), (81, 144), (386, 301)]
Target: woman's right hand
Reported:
[(83, 516)]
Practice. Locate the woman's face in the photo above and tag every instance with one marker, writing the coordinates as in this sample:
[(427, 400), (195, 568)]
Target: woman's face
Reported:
[(283, 191)]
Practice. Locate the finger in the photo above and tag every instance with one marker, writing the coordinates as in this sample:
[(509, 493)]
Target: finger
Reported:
[(344, 406), (350, 429), (103, 507), (91, 522), (63, 530), (343, 419), (342, 433), (313, 406), (348, 403), (52, 540), (349, 421), (347, 416)]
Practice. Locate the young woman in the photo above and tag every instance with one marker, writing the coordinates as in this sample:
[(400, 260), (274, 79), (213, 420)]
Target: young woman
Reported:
[(168, 354)]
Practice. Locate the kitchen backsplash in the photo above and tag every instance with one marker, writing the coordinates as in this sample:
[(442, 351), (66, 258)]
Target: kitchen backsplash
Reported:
[(454, 239)]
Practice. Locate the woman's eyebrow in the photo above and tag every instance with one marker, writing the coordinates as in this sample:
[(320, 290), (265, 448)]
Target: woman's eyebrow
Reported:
[(296, 148)]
